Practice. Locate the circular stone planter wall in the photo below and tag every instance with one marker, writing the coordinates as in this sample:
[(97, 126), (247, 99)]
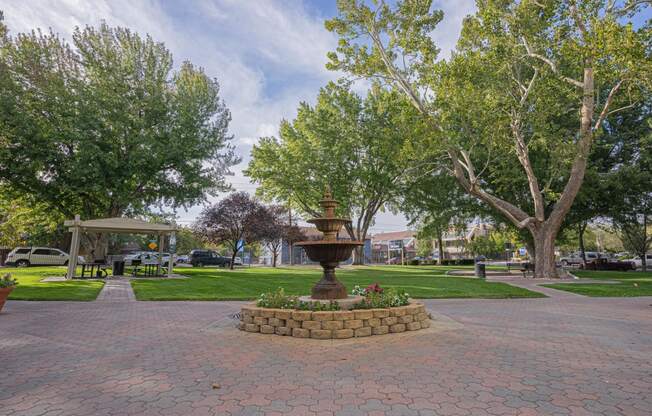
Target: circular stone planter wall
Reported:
[(335, 324)]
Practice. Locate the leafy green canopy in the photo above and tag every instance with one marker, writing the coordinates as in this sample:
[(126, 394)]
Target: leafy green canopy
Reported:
[(517, 107), (105, 127), (355, 145)]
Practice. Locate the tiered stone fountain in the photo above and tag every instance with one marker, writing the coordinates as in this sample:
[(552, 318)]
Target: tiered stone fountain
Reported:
[(329, 252), (338, 324)]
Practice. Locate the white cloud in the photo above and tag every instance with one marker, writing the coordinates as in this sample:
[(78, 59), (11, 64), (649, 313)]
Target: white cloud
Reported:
[(447, 31)]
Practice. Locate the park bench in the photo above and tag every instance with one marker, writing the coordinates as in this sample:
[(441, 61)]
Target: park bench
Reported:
[(527, 268)]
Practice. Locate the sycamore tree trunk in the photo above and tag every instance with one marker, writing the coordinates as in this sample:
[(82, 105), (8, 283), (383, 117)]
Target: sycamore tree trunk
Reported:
[(544, 253), (645, 245), (358, 255), (440, 243), (233, 256), (580, 236)]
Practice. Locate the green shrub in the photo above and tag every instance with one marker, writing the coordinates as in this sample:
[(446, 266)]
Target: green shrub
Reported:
[(457, 262), (318, 306), (279, 300), (7, 281), (383, 299)]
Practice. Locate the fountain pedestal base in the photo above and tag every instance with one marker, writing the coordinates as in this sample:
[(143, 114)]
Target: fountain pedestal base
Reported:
[(329, 288)]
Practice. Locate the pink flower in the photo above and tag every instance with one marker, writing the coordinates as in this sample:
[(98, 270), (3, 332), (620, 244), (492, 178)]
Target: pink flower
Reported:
[(375, 288)]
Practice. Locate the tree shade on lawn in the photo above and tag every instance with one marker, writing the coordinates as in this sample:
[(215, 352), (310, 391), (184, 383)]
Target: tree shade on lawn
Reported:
[(247, 284), (630, 284), (30, 286)]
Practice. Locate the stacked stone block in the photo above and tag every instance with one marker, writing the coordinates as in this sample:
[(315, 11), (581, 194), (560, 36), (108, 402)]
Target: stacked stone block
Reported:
[(335, 324)]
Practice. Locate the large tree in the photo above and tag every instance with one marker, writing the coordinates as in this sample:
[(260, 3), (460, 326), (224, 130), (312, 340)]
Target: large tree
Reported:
[(105, 127), (233, 221), (354, 145), (24, 223), (529, 87), (278, 230)]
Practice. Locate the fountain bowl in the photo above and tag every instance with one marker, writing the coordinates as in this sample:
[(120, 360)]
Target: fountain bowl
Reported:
[(329, 253), (329, 226), (324, 251)]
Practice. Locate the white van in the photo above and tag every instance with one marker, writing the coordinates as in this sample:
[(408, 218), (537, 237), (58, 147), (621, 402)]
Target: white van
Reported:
[(36, 256)]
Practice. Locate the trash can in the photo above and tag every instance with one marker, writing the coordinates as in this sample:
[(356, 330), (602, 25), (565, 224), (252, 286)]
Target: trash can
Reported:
[(480, 270), (118, 268)]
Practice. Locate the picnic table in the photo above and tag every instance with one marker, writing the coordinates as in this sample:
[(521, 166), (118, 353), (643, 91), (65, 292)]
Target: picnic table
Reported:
[(147, 269), (95, 269)]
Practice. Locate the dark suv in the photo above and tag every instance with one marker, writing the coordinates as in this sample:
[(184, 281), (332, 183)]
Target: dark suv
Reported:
[(200, 258)]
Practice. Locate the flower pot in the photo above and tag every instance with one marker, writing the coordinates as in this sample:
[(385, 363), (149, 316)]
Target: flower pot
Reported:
[(4, 294)]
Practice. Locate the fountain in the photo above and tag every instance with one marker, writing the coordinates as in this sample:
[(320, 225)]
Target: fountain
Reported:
[(332, 322), (329, 252)]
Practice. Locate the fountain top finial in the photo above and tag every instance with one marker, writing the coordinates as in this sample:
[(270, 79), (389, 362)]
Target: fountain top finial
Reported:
[(327, 192), (328, 204)]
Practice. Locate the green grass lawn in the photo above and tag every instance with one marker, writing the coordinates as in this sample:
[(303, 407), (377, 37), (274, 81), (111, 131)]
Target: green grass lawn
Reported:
[(248, 283), (629, 284), (30, 288)]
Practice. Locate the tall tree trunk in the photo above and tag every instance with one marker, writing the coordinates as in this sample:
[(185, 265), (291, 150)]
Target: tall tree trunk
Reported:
[(644, 257), (274, 254), (233, 256), (440, 243), (358, 256), (544, 252), (580, 236)]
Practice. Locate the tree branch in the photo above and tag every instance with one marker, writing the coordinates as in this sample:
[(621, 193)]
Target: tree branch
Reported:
[(605, 109), (551, 64), (403, 84), (623, 11), (513, 213)]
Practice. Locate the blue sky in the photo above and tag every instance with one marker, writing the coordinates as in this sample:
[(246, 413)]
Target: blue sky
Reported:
[(268, 55)]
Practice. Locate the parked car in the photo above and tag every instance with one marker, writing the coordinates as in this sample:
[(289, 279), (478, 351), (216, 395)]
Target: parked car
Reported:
[(638, 263), (183, 258), (394, 260), (37, 256), (140, 257), (575, 259), (200, 258), (604, 263), (237, 261), (147, 257), (166, 258)]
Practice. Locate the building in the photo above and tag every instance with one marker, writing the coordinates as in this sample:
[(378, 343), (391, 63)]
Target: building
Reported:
[(299, 255), (455, 240), (393, 246)]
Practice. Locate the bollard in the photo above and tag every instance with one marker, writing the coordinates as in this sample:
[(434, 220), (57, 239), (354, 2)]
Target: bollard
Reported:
[(480, 270)]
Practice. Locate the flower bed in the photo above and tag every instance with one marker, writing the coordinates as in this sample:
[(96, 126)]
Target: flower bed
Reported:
[(334, 324)]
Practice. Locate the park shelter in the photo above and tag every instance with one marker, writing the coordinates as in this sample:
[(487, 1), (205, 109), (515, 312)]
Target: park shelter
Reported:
[(116, 225)]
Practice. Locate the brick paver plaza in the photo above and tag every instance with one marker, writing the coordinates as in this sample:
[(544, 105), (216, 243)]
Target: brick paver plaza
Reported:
[(566, 355)]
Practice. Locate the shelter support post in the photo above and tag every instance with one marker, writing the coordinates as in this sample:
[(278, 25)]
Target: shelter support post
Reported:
[(74, 249), (160, 254), (172, 250)]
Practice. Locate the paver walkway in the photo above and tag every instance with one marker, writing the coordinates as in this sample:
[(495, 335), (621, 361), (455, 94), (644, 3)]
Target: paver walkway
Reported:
[(536, 285), (553, 356), (116, 290)]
